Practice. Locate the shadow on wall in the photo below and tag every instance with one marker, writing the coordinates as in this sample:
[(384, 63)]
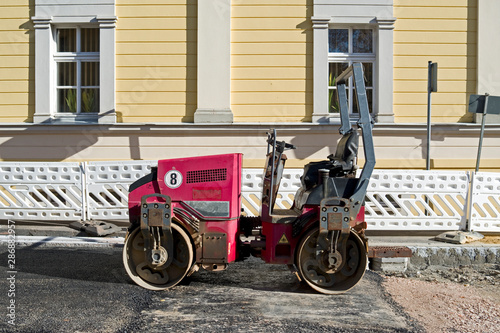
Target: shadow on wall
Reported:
[(306, 28), (471, 70), (191, 61), (29, 30), (51, 142)]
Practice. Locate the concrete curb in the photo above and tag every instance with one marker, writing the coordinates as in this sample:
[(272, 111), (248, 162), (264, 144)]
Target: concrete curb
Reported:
[(424, 256), (44, 241)]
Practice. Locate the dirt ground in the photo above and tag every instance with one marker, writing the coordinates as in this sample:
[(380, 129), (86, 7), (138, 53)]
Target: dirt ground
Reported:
[(443, 299)]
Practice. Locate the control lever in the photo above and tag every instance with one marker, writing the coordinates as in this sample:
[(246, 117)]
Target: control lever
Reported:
[(281, 146)]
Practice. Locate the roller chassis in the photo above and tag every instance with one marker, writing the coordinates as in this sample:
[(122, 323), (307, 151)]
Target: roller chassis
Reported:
[(186, 214)]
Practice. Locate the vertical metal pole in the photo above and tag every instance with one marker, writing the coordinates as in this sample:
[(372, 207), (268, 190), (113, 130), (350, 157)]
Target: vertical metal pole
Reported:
[(470, 201), (85, 204), (429, 79), (481, 135)]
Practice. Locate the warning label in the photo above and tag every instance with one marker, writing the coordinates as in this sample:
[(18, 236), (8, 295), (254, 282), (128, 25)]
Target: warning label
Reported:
[(283, 240)]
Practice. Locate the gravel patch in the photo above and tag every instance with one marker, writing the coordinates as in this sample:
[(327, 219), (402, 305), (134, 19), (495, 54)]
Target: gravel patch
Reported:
[(441, 299)]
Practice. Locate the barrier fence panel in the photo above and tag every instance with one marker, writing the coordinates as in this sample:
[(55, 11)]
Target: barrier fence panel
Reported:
[(252, 190), (41, 191), (485, 208), (107, 186), (396, 200), (417, 200)]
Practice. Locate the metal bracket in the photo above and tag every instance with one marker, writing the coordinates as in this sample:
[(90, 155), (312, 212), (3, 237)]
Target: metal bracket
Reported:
[(334, 214), (334, 231), (156, 221), (214, 248)]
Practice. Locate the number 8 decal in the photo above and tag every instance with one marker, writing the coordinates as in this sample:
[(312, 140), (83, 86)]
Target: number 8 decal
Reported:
[(173, 179)]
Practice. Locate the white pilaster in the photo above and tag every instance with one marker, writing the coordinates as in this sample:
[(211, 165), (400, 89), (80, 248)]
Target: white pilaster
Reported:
[(320, 72), (384, 71), (488, 49), (214, 62), (43, 69), (107, 75)]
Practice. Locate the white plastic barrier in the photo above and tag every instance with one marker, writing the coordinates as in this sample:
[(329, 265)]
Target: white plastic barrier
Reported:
[(396, 200), (107, 186), (252, 190), (417, 200), (485, 208), (41, 191)]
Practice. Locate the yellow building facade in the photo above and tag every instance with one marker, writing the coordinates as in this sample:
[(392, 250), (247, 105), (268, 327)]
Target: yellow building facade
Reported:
[(186, 78)]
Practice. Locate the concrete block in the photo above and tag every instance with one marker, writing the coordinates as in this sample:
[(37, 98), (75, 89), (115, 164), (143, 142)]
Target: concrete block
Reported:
[(389, 265)]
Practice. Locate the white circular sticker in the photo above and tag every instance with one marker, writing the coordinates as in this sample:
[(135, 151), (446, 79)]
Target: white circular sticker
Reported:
[(173, 179)]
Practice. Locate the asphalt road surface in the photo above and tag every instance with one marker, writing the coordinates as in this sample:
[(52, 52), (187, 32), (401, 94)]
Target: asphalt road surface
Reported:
[(87, 290)]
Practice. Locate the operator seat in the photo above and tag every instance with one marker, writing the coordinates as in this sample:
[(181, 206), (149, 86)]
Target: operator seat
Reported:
[(346, 153), (342, 164)]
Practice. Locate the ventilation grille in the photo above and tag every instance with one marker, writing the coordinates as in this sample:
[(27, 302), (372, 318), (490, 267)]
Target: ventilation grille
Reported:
[(203, 176)]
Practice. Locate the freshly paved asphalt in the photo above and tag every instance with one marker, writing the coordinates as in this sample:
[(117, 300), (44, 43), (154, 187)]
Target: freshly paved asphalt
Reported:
[(86, 289)]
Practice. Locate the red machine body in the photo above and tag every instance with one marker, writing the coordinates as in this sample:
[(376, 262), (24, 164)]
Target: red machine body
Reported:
[(208, 187)]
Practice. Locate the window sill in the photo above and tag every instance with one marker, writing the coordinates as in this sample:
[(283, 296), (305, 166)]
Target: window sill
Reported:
[(332, 118), (90, 118)]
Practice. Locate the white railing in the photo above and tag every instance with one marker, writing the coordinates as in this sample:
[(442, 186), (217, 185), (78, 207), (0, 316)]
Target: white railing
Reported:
[(107, 187), (485, 206), (42, 191), (417, 200), (396, 199)]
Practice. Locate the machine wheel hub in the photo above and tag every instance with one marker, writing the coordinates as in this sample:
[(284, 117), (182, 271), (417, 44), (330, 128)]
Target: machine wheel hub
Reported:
[(329, 273)]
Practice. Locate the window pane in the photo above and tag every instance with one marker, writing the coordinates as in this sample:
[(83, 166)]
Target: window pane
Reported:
[(66, 100), (90, 40), (355, 104), (335, 69), (90, 100), (368, 71), (90, 74), (66, 40), (338, 40), (369, 97), (362, 41), (66, 73)]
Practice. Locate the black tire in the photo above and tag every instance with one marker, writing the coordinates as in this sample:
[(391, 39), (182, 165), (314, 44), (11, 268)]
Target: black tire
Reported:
[(336, 283), (146, 275)]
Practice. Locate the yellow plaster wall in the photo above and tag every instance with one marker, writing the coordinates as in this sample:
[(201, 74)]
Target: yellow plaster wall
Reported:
[(156, 60), (271, 69), (441, 31), (271, 60), (17, 62)]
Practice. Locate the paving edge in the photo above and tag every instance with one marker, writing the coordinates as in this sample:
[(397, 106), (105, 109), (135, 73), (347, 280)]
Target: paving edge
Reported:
[(424, 256), (48, 241)]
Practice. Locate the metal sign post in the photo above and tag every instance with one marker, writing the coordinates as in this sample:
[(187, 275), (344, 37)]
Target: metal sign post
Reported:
[(431, 87), (484, 104), (481, 135)]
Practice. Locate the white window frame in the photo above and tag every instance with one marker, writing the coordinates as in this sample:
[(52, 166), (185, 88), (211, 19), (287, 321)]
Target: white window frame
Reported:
[(76, 57), (350, 57), (50, 15), (378, 15)]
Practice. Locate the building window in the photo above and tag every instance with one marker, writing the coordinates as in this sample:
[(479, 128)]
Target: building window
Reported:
[(77, 66), (74, 61), (345, 46), (353, 31)]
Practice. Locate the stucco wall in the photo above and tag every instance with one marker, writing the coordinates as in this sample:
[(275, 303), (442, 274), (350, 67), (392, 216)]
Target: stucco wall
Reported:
[(17, 80), (156, 60), (271, 72), (445, 32)]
